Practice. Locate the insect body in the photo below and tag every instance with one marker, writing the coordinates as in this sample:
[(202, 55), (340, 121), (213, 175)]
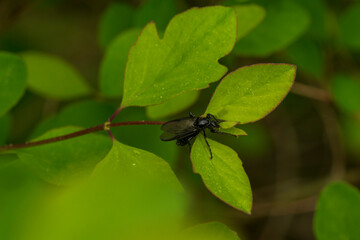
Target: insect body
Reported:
[(184, 129)]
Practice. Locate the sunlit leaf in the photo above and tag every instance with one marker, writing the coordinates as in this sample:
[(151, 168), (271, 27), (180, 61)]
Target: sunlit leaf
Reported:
[(308, 56), (252, 92), (117, 18), (172, 106), (346, 91), (126, 160), (285, 21), (248, 17), (233, 131), (112, 70), (4, 128), (224, 174), (12, 80), (209, 231), (185, 59), (52, 77), (63, 162), (349, 29), (337, 213)]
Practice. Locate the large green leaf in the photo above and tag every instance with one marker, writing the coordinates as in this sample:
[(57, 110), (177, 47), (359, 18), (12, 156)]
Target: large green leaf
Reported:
[(337, 213), (250, 93), (63, 162), (349, 29), (224, 174), (285, 21), (248, 17), (126, 160), (185, 59), (117, 18), (173, 106), (345, 90), (12, 80), (209, 231), (4, 128), (51, 77), (112, 70)]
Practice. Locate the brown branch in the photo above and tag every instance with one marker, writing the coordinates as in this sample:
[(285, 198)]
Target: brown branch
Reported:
[(97, 128), (311, 92)]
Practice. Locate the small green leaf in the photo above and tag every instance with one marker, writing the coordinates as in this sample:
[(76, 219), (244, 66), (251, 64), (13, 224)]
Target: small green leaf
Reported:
[(337, 213), (117, 18), (173, 106), (12, 80), (112, 70), (63, 162), (209, 231), (285, 21), (51, 77), (345, 90), (234, 131), (124, 160), (248, 17), (308, 56), (185, 59), (252, 92), (80, 114), (351, 132), (349, 29), (4, 128), (159, 11), (224, 174)]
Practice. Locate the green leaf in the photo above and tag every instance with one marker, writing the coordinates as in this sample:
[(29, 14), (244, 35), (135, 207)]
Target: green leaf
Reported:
[(124, 160), (117, 18), (285, 21), (308, 56), (51, 77), (349, 29), (337, 213), (4, 128), (251, 92), (209, 231), (248, 17), (12, 80), (159, 11), (234, 131), (81, 114), (112, 70), (345, 90), (63, 162), (145, 137), (173, 106), (185, 59), (224, 174)]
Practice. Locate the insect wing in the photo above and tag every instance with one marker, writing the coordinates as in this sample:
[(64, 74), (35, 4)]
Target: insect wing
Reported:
[(179, 128)]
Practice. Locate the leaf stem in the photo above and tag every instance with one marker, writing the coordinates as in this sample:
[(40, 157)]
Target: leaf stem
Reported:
[(97, 128), (115, 114)]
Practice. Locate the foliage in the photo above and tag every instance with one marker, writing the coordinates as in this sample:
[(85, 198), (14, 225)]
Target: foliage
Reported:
[(158, 64)]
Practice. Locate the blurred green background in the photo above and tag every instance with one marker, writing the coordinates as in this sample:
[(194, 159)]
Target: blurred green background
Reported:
[(313, 137)]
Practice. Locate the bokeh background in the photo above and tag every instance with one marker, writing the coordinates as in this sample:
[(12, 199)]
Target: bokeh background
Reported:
[(312, 138)]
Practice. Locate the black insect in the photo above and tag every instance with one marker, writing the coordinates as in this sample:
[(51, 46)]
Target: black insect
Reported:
[(184, 129)]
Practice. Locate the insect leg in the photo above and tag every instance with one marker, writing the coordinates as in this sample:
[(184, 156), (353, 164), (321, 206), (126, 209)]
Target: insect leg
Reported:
[(211, 156)]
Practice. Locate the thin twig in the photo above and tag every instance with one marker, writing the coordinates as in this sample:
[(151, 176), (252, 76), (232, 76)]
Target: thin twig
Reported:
[(311, 92), (97, 128)]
